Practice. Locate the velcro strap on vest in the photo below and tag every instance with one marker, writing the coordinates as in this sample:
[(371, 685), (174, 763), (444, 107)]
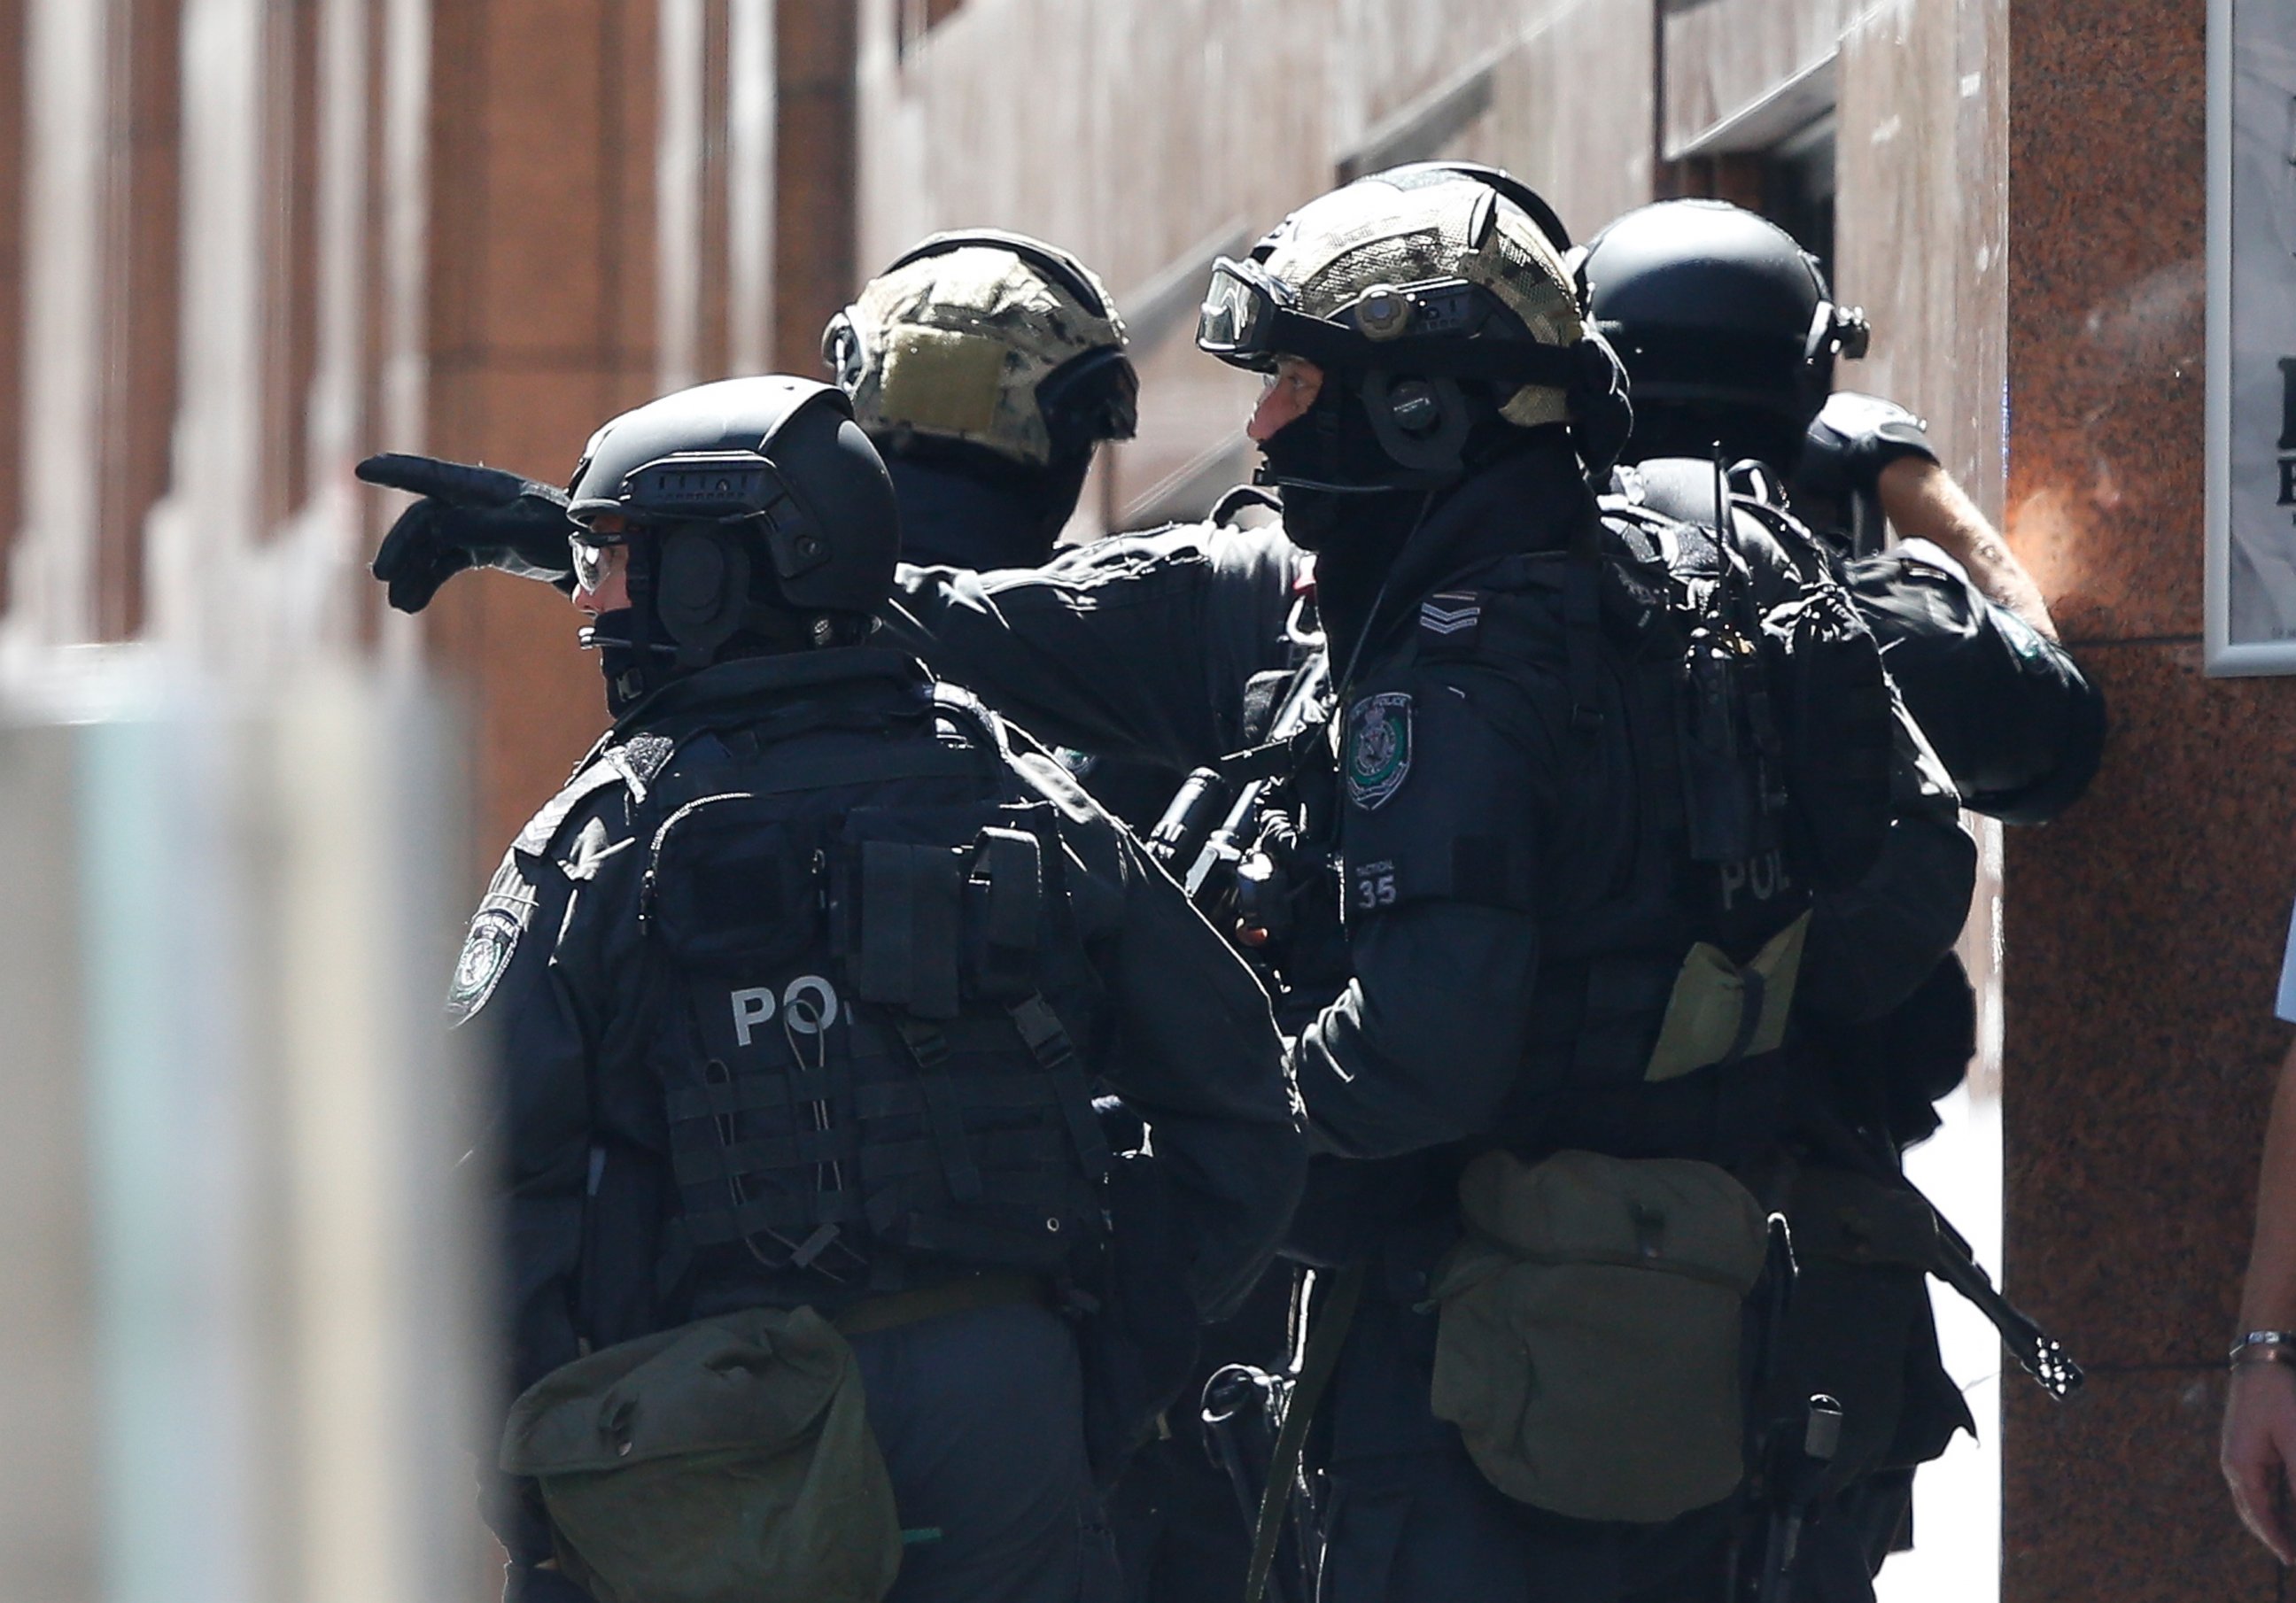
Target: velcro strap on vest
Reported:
[(929, 1049), (1049, 1043), (1010, 877)]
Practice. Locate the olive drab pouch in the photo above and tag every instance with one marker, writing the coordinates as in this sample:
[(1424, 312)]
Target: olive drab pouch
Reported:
[(1720, 1012), (726, 1461), (1589, 1330)]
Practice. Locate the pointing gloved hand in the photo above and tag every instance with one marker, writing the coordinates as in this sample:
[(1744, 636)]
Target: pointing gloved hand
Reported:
[(469, 517), (1852, 438)]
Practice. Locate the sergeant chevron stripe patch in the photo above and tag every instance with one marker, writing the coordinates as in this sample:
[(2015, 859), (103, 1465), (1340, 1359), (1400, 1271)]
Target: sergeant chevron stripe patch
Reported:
[(1450, 613)]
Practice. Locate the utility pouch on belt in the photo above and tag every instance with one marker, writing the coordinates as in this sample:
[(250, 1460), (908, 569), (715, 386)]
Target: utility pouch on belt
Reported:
[(726, 1461), (1719, 1012), (1588, 1342)]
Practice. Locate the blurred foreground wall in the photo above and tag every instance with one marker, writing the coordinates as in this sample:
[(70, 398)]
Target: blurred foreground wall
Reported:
[(239, 1350)]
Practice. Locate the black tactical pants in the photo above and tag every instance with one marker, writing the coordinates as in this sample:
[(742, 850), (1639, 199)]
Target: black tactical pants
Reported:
[(980, 1418), (1180, 1526), (1412, 1520)]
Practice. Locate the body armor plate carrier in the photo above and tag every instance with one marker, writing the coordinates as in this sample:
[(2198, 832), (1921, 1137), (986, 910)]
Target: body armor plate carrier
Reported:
[(863, 1076)]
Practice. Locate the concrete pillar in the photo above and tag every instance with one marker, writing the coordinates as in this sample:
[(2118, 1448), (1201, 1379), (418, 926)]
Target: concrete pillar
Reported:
[(242, 1350), (815, 49)]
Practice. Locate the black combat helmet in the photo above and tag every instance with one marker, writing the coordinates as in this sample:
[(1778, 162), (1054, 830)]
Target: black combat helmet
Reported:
[(1718, 313), (756, 517), (768, 508)]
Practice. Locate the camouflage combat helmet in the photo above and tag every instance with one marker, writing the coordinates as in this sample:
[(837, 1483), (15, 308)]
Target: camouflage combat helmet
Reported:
[(1410, 283), (990, 339)]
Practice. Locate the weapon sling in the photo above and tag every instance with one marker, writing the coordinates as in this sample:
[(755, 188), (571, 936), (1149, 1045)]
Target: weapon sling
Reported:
[(1325, 1340), (1953, 1261)]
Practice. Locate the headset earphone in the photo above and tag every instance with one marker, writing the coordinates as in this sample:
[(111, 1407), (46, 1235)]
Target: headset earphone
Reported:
[(1423, 423)]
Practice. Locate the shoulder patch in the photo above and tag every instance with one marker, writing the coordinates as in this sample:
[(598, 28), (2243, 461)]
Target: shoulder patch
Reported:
[(640, 758), (1378, 749), (1451, 612), (540, 830), (502, 918)]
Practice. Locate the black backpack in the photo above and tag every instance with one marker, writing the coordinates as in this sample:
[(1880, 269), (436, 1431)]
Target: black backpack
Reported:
[(1789, 720)]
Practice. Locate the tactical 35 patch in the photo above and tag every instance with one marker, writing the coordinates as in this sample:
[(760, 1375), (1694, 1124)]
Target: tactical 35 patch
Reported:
[(1379, 747)]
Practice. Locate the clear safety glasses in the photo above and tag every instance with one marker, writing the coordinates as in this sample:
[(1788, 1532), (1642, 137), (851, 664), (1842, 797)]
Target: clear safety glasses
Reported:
[(599, 557)]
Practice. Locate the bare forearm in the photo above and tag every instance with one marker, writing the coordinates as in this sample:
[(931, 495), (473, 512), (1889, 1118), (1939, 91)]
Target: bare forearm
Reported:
[(2269, 1298), (1923, 502)]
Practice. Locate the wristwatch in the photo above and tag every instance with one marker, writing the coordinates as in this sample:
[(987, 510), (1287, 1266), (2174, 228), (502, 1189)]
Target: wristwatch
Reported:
[(2264, 1346)]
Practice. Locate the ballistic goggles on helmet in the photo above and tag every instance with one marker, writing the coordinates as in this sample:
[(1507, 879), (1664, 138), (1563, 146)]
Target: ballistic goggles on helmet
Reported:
[(1251, 318)]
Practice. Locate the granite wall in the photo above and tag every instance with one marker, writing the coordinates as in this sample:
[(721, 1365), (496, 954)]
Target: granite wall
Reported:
[(2145, 927), (1152, 136)]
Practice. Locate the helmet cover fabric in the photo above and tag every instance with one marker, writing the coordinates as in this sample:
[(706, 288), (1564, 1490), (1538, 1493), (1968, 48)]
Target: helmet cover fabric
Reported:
[(953, 346), (1375, 232)]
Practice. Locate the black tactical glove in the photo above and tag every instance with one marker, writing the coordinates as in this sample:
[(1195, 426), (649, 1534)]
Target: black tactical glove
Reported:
[(469, 517), (1852, 438)]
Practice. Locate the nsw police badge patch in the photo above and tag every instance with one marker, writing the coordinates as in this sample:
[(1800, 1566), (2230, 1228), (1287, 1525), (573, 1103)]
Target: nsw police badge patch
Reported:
[(486, 953), (1379, 747), (494, 930)]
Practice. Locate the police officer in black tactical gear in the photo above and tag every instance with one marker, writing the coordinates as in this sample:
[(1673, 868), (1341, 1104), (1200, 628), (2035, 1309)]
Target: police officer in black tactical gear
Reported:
[(1730, 335), (1604, 792), (1193, 614), (801, 987), (986, 367)]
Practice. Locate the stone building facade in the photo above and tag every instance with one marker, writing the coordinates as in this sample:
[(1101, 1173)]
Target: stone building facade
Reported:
[(244, 241)]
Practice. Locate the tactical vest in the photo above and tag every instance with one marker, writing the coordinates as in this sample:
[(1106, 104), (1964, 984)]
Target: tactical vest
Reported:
[(865, 1085), (1832, 706), (1756, 728)]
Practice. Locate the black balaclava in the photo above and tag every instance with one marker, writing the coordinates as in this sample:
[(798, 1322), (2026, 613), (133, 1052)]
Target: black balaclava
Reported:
[(965, 507), (1360, 533)]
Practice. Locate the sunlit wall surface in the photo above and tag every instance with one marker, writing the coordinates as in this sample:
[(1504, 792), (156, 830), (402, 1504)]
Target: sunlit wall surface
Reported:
[(239, 1346)]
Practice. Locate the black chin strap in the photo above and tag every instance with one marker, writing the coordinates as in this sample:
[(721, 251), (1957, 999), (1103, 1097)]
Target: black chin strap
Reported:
[(633, 668)]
